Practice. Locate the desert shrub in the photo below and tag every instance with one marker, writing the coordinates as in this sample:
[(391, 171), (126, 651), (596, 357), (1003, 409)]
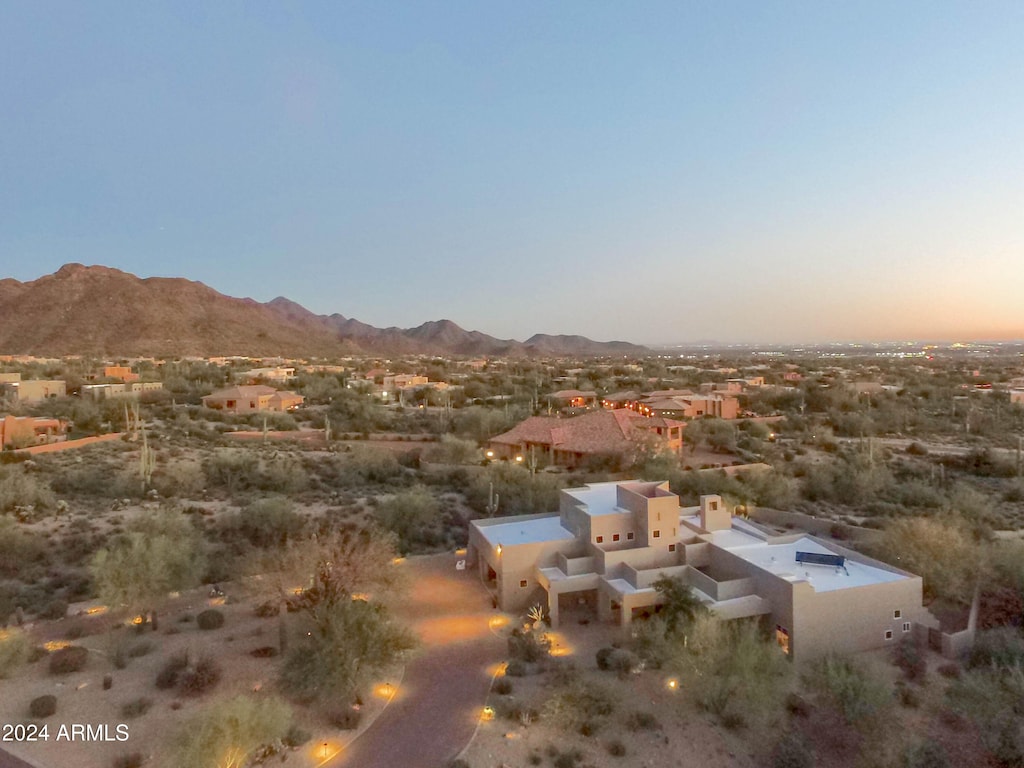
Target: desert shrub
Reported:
[(344, 718), (642, 721), (854, 689), (616, 748), (68, 660), (623, 661), (211, 618), (517, 668), (129, 760), (1003, 647), (15, 649), (791, 751), (43, 706), (797, 705), (268, 522), (268, 609), (54, 610), (909, 657), (168, 675), (264, 652), (568, 759), (529, 647), (503, 686), (925, 754), (21, 490), (950, 670), (136, 707), (602, 656), (198, 679), (296, 737), (908, 696), (140, 648)]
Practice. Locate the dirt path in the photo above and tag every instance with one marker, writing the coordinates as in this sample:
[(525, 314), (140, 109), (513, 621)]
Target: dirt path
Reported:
[(437, 707)]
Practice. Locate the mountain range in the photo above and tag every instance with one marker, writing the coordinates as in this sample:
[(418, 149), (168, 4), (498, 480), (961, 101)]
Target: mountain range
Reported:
[(96, 310)]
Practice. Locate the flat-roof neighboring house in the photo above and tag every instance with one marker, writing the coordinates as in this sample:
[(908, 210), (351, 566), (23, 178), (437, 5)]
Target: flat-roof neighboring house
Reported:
[(279, 374), (122, 372), (610, 542), (33, 390), (252, 398), (25, 431), (126, 389), (614, 435)]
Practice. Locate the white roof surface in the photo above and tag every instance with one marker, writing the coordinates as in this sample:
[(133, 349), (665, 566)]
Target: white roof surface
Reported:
[(533, 531), (600, 498), (780, 559)]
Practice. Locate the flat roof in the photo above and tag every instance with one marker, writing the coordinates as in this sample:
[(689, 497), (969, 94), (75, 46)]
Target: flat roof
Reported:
[(528, 531), (780, 559)]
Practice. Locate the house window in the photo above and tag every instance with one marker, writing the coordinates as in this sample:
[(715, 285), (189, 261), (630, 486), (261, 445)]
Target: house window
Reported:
[(713, 505), (615, 537), (657, 534), (906, 626), (522, 583), (897, 614), (629, 536), (888, 634), (782, 638), (600, 539), (671, 547)]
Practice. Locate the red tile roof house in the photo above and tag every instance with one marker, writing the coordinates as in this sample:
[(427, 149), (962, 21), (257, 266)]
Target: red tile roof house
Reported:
[(250, 399), (572, 398), (616, 436)]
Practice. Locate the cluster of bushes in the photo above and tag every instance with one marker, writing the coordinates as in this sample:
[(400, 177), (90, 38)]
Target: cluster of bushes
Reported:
[(190, 679)]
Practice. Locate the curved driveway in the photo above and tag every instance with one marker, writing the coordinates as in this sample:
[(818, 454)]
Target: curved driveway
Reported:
[(436, 709)]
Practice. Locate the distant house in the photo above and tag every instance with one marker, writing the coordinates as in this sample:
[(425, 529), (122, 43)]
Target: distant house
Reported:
[(122, 372), (691, 406), (32, 390), (25, 431), (252, 399), (127, 389), (572, 399), (615, 436), (279, 374)]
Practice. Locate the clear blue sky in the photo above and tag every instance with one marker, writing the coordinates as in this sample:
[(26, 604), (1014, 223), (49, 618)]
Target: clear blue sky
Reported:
[(655, 172)]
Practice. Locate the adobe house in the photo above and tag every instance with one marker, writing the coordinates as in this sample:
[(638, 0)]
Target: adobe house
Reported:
[(252, 399), (24, 431), (610, 542)]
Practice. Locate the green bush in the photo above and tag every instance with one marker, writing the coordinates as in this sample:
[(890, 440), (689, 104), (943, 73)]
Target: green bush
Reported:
[(197, 680), (136, 707), (925, 754), (345, 718), (792, 751), (642, 721), (854, 690), (296, 737), (503, 686), (168, 675), (15, 649), (210, 619), (68, 660), (43, 706)]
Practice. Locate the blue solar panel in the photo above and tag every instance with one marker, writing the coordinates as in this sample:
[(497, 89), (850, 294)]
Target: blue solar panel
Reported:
[(816, 558)]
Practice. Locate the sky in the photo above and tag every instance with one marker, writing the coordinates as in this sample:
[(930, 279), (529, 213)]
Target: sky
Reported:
[(655, 172)]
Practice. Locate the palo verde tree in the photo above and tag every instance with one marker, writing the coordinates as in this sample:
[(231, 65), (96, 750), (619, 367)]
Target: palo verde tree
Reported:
[(345, 633), (159, 553)]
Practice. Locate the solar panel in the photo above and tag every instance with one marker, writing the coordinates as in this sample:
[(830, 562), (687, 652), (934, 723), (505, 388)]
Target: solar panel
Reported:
[(816, 558)]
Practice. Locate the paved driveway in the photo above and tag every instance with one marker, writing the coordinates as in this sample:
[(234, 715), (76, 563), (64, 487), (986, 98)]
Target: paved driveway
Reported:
[(436, 709)]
